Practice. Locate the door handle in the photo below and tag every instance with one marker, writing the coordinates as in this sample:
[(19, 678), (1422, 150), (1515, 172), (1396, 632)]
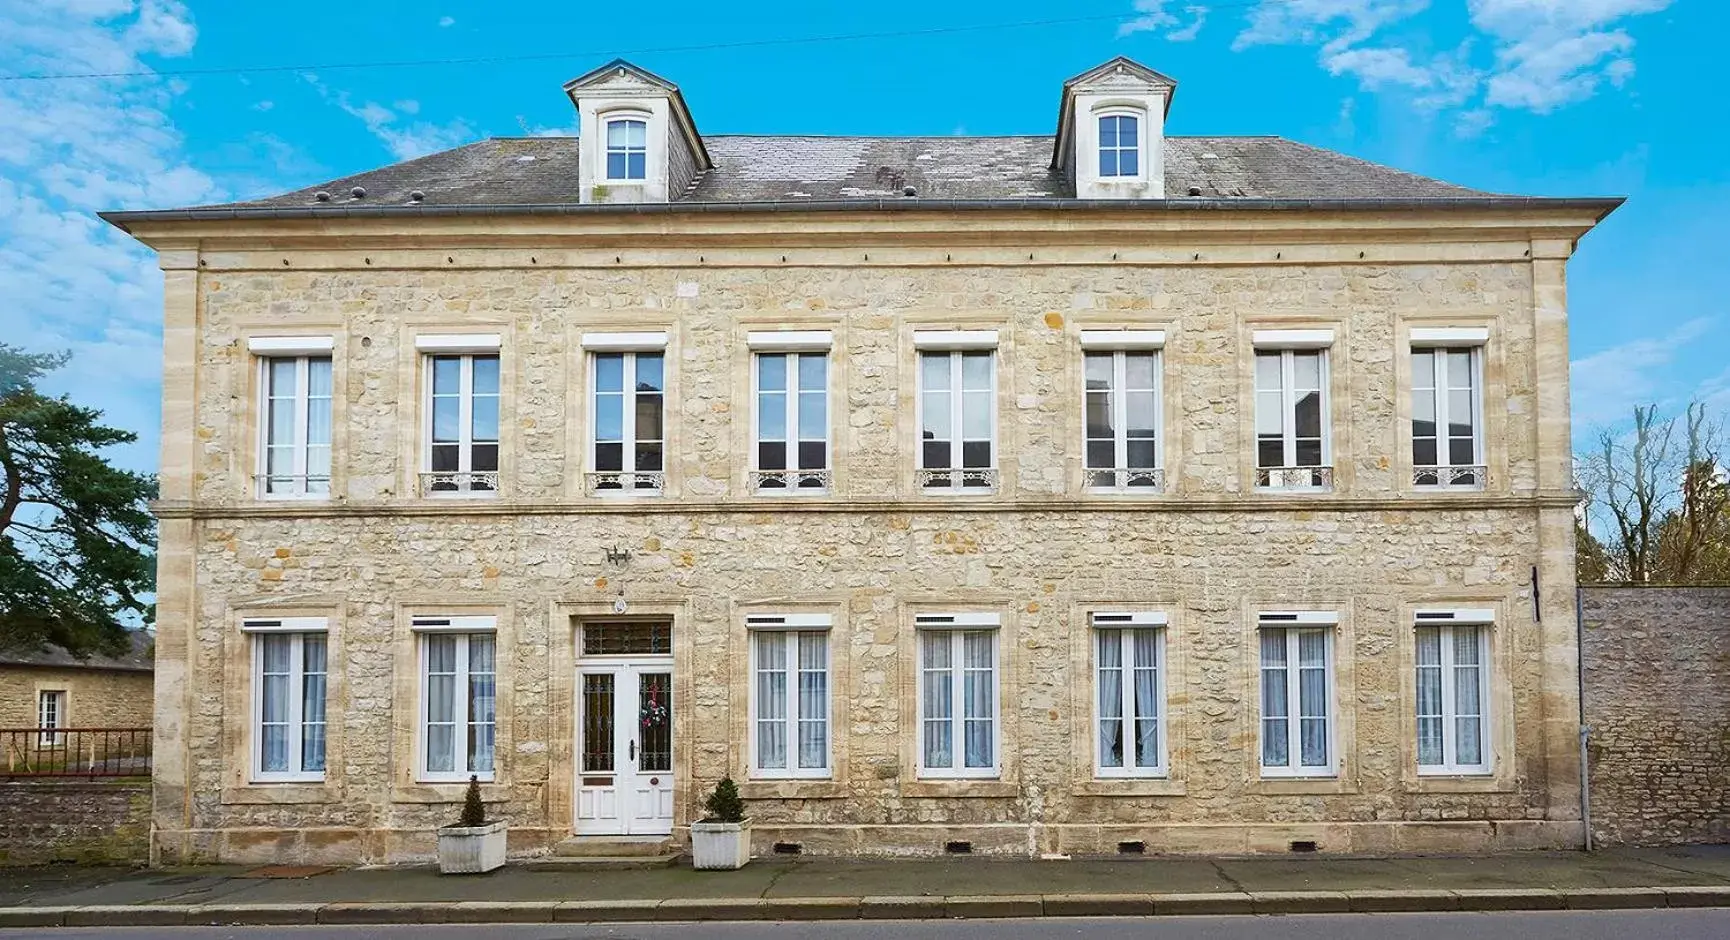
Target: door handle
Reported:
[(633, 750)]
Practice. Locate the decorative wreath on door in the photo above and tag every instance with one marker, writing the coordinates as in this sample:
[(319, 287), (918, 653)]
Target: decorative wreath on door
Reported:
[(652, 714)]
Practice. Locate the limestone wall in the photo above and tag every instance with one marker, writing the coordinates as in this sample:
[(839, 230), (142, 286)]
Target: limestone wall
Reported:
[(95, 698), (92, 822), (1657, 671), (1209, 552)]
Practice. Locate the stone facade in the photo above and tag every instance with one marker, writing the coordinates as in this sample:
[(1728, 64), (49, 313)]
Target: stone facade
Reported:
[(1656, 662), (95, 698), (1209, 552), (91, 822)]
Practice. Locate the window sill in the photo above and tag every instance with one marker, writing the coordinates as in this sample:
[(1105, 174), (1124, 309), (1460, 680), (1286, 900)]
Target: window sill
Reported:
[(960, 788), (793, 789), (1300, 786), (1459, 783), (268, 793), (1130, 787)]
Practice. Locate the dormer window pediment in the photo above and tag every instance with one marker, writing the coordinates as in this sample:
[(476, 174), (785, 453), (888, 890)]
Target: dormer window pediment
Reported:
[(639, 143)]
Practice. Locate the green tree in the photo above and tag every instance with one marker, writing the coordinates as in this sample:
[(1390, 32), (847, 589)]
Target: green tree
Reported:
[(1657, 500), (77, 540)]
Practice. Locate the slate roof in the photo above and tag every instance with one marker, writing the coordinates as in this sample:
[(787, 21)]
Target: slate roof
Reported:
[(542, 171), (140, 658)]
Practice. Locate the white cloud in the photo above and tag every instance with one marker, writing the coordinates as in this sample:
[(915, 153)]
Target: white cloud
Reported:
[(71, 149), (446, 22), (1157, 16), (1543, 53), (1607, 385), (405, 139)]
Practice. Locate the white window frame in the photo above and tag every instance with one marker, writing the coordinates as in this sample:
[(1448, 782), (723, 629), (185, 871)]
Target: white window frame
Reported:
[(957, 441), (1448, 623), (1294, 624), (955, 628), (1127, 625), (299, 481), (51, 708), (465, 422), (1140, 148), (464, 629), (607, 148), (1288, 413), (1117, 395), (298, 629), (1445, 469), (789, 629), (792, 393), (629, 477)]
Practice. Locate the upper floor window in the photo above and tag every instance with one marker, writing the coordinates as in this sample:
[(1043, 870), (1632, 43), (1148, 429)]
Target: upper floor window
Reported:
[(295, 416), (462, 449), (1297, 689), (627, 448), (789, 695), (1453, 691), (1447, 415), (957, 695), (1122, 410), (957, 410), (627, 149), (1291, 414), (288, 689), (1119, 145), (791, 451), (458, 700)]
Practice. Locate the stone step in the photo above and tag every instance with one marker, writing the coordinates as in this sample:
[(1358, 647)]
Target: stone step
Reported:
[(602, 862), (613, 848)]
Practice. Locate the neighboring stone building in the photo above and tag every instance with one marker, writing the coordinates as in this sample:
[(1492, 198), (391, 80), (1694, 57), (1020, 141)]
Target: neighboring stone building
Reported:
[(51, 688), (1042, 494)]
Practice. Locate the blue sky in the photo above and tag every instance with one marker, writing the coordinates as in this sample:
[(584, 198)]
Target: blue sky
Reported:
[(1548, 97)]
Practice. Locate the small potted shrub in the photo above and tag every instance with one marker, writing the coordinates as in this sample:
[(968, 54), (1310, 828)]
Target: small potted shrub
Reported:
[(722, 839), (472, 845)]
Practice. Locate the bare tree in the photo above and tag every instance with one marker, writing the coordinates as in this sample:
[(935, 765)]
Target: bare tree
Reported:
[(1656, 499)]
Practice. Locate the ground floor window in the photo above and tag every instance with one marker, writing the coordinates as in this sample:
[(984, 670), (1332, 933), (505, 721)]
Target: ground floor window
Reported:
[(1129, 656), (51, 716), (790, 703), (1452, 698), (958, 697), (1296, 696), (289, 681), (458, 706)]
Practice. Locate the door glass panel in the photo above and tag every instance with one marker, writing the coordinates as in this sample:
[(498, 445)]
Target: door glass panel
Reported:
[(655, 722), (627, 639), (598, 724)]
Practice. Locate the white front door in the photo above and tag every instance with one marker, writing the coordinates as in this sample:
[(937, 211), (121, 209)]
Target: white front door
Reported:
[(625, 748)]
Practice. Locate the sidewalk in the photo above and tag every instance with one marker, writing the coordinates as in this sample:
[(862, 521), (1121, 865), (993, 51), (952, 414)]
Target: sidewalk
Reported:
[(798, 889)]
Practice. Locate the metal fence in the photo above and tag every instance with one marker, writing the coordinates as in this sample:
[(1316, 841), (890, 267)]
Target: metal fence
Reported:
[(75, 752)]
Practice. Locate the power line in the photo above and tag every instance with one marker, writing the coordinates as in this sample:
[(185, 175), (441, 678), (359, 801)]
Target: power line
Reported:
[(590, 54)]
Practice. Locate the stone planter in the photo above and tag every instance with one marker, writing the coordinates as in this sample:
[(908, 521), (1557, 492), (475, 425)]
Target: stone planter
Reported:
[(468, 850), (720, 846)]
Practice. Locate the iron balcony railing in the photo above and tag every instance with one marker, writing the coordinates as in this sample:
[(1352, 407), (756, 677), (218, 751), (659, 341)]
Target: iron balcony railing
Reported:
[(75, 752)]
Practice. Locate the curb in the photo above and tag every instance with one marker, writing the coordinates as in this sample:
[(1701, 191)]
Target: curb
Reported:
[(869, 908)]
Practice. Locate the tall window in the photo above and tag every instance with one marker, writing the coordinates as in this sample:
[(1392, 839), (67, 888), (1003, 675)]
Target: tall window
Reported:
[(1446, 427), (458, 706), (1291, 402), (1296, 701), (51, 717), (295, 426), (289, 677), (790, 703), (957, 700), (463, 411), (627, 149), (628, 435), (1122, 419), (1129, 665), (1119, 146), (792, 421), (957, 424), (1453, 694)]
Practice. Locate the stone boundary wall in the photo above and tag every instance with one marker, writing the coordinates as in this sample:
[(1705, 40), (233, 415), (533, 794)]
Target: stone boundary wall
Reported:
[(89, 821), (1657, 699)]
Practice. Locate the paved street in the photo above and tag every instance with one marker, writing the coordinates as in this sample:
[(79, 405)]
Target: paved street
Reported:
[(1706, 924)]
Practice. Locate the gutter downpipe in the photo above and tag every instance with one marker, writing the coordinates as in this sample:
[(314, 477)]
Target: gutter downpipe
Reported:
[(1585, 730)]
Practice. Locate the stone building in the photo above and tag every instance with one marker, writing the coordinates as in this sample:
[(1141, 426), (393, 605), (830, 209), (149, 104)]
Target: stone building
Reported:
[(1080, 493), (50, 688)]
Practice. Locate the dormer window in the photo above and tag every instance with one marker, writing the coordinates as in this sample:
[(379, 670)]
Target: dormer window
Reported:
[(1119, 146), (627, 149)]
